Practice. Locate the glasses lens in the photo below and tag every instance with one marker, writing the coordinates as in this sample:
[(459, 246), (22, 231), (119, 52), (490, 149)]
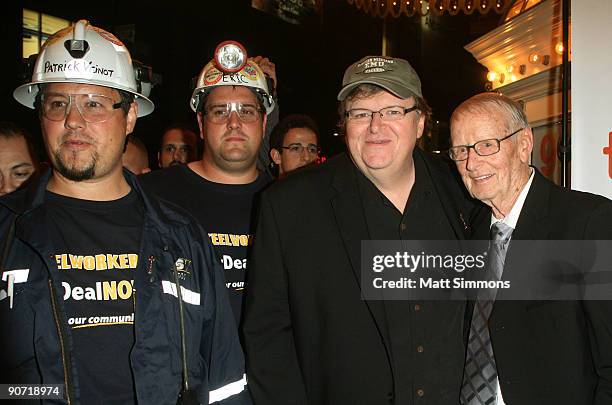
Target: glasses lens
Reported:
[(55, 105), (93, 107), (487, 147), (458, 153), (219, 114), (313, 149), (359, 115), (392, 113), (248, 113)]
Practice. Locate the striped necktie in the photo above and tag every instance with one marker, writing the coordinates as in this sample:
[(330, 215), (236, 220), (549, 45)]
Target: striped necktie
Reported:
[(480, 374)]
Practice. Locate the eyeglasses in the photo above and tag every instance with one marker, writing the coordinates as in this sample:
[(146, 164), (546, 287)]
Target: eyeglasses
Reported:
[(485, 147), (392, 113), (219, 114), (299, 148), (92, 107)]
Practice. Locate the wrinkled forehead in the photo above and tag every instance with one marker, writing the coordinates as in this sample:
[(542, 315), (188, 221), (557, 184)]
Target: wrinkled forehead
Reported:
[(468, 127), (13, 149), (177, 136), (231, 94)]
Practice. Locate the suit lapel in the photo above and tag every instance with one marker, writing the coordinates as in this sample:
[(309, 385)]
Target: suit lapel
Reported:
[(532, 222), (447, 191), (348, 210)]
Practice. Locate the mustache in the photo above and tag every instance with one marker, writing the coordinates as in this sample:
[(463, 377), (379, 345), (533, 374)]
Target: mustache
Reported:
[(71, 136), (234, 132)]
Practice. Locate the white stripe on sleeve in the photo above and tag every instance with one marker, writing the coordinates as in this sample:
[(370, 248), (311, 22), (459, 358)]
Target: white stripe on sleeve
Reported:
[(227, 390), (190, 297)]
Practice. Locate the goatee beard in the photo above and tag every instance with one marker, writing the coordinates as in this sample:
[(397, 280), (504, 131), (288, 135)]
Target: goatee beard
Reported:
[(75, 174)]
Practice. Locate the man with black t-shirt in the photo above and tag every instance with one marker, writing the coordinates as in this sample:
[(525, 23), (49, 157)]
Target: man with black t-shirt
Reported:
[(113, 296), (219, 190)]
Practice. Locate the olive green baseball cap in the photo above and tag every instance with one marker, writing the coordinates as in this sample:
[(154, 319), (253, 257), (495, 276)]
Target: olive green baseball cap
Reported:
[(392, 74)]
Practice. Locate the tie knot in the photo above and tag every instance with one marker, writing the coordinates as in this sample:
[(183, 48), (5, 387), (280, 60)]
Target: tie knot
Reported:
[(500, 232)]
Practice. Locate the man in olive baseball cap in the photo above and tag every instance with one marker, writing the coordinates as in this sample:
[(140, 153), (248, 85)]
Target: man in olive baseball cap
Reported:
[(315, 331)]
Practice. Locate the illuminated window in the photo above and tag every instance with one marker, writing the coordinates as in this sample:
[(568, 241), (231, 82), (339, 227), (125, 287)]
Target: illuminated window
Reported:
[(515, 10), (37, 27), (520, 6), (531, 3)]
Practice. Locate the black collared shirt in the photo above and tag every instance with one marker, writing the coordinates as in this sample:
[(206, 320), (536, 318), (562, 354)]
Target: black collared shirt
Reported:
[(423, 218)]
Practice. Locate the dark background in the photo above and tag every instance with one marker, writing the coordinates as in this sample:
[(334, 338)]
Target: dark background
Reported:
[(178, 40)]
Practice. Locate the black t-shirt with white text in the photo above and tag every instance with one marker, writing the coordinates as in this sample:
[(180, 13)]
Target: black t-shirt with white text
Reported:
[(225, 212), (96, 245)]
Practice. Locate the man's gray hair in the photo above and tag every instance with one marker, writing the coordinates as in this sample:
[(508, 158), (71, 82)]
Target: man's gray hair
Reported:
[(487, 103)]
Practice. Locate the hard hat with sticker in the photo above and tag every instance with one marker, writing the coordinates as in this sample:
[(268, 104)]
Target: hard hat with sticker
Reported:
[(231, 67), (84, 54)]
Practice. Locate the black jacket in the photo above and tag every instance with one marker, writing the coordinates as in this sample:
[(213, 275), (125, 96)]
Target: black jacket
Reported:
[(309, 336), (37, 345), (553, 352)]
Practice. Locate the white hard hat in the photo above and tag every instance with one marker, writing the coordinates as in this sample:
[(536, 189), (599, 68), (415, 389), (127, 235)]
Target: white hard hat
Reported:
[(221, 71), (84, 54)]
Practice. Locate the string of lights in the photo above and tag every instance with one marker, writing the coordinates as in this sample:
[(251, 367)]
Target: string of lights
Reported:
[(409, 8)]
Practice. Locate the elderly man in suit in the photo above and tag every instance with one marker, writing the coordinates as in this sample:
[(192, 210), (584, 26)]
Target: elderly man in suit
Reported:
[(310, 336), (532, 352)]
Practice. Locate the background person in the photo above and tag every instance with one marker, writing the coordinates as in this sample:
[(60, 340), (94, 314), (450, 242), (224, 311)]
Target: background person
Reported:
[(294, 143), (18, 161), (219, 190), (179, 146), (136, 157)]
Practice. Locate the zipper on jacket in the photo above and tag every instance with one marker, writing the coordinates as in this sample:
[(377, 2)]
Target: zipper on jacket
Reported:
[(60, 331)]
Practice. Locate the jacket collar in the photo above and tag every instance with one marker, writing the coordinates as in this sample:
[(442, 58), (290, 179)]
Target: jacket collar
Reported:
[(531, 222), (29, 202)]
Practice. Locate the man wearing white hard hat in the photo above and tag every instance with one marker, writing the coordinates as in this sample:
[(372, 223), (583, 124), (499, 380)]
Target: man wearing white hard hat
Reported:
[(108, 296), (232, 102)]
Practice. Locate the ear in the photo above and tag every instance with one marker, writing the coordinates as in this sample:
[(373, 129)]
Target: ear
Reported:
[(525, 145), (200, 119), (276, 156), (159, 159), (420, 125), (131, 117)]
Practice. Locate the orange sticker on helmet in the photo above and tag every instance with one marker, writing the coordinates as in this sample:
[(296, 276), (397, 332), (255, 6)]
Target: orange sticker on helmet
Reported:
[(250, 71), (212, 77), (107, 35)]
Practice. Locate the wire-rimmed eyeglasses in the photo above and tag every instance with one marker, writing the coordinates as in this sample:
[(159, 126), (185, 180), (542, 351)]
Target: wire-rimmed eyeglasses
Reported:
[(392, 113), (298, 148), (486, 147)]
